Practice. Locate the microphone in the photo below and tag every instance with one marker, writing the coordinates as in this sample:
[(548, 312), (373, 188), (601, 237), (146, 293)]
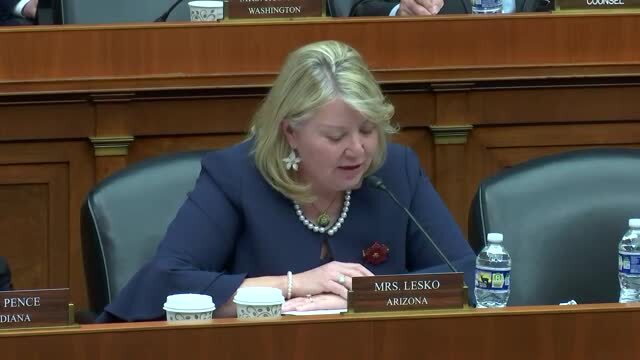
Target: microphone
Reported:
[(330, 8), (377, 183), (163, 17), (465, 6)]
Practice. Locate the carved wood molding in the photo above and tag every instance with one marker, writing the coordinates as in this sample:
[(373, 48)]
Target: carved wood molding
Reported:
[(111, 146), (450, 134), (392, 82)]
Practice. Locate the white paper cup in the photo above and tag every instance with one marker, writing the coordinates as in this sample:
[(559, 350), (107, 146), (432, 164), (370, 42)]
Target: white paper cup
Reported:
[(181, 307), (206, 10), (258, 302)]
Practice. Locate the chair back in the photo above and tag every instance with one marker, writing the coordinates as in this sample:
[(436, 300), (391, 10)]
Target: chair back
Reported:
[(114, 11), (125, 217), (562, 217)]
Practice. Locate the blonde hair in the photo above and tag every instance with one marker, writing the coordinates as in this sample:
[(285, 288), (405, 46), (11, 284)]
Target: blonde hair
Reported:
[(311, 77)]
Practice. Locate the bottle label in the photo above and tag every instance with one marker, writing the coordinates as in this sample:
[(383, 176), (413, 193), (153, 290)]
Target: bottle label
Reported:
[(492, 278), (487, 5), (628, 263)]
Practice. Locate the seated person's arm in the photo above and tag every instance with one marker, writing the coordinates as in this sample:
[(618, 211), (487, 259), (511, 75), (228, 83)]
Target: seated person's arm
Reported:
[(399, 8), (5, 276)]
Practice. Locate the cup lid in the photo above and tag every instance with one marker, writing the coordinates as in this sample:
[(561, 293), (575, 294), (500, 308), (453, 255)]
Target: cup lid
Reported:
[(189, 302), (206, 4), (258, 296)]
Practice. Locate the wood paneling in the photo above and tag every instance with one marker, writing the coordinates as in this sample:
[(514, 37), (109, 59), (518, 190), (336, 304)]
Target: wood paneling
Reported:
[(108, 165), (414, 107), (24, 223), (451, 177), (36, 217), (41, 188), (220, 114), (420, 141), (580, 332), (567, 104), (41, 120), (154, 146), (150, 49)]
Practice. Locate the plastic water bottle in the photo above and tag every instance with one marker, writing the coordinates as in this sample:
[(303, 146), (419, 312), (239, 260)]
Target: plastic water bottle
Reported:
[(486, 6), (508, 6), (493, 274), (629, 263)]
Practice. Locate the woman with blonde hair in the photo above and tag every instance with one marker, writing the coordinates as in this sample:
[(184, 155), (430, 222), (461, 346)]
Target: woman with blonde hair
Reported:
[(287, 208)]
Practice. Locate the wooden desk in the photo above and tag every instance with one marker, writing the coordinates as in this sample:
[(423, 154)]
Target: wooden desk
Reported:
[(473, 94), (606, 331)]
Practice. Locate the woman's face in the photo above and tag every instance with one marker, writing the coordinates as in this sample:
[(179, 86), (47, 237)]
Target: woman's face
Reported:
[(336, 145)]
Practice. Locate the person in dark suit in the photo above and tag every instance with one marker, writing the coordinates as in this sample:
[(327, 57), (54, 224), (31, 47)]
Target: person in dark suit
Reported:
[(18, 12), (5, 275), (399, 8), (287, 208), (432, 7)]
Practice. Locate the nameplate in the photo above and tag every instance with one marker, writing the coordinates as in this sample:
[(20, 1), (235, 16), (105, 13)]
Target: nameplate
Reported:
[(261, 9), (591, 5), (407, 292), (32, 308)]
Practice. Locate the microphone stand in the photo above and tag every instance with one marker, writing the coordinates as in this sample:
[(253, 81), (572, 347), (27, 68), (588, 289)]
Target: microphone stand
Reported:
[(163, 17), (378, 184)]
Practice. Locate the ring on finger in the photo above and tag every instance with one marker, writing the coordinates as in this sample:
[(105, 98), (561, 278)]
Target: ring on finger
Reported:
[(341, 279), (309, 299)]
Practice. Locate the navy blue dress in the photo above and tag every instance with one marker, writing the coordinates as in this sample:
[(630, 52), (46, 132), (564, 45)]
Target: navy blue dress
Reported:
[(233, 225)]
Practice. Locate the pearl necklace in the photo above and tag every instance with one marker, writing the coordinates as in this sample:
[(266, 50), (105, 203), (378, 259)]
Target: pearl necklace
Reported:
[(329, 230)]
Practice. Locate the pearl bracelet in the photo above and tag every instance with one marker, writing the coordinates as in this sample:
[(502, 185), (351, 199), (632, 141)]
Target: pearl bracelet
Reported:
[(289, 284)]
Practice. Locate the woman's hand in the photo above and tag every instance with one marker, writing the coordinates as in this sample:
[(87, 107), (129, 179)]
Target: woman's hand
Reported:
[(334, 277), (316, 302)]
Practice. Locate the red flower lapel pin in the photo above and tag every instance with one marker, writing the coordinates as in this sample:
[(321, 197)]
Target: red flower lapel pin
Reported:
[(376, 253)]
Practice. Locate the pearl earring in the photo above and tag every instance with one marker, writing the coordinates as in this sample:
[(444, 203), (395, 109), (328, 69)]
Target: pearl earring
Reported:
[(292, 161)]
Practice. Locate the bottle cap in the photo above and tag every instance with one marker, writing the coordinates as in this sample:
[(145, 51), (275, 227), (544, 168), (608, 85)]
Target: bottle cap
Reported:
[(634, 223), (495, 238)]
